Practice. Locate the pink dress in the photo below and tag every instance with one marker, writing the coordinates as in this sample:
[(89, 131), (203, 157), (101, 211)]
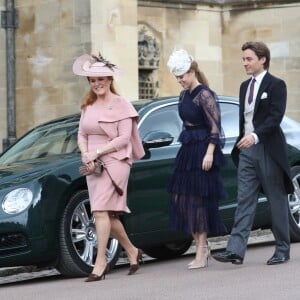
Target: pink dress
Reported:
[(115, 125)]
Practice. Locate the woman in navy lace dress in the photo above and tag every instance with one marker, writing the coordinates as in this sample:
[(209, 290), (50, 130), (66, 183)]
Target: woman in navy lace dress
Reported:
[(196, 185)]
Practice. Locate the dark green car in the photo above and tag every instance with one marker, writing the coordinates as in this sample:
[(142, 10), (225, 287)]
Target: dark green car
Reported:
[(45, 214)]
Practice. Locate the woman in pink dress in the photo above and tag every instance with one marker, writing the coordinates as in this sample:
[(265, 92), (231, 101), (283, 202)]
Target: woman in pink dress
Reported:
[(107, 131)]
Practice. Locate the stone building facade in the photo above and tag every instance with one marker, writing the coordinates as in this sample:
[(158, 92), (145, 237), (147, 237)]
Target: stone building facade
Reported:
[(139, 36)]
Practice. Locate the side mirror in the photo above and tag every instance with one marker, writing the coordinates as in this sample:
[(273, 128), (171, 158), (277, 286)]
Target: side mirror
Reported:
[(156, 139)]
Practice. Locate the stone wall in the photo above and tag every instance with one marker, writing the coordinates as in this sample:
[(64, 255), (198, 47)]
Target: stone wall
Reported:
[(52, 33), (279, 28), (49, 36), (114, 32), (214, 35), (196, 30)]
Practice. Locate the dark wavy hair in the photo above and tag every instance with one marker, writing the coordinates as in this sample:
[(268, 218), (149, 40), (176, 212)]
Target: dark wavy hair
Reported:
[(261, 50)]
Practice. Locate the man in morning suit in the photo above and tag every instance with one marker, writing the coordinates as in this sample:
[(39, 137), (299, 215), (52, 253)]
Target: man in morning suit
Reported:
[(260, 156)]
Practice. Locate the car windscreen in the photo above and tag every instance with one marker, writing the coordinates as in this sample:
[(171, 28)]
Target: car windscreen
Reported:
[(47, 140)]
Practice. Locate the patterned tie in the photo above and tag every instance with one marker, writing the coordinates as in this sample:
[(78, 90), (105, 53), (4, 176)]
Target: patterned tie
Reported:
[(250, 98)]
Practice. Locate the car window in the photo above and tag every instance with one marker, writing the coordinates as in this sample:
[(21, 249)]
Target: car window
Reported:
[(165, 119), (52, 139), (230, 119), (291, 129)]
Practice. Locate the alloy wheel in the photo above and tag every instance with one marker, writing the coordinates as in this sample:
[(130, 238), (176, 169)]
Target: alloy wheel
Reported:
[(84, 238), (294, 200)]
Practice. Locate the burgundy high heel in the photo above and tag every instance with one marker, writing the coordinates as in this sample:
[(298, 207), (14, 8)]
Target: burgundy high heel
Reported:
[(134, 267), (95, 277)]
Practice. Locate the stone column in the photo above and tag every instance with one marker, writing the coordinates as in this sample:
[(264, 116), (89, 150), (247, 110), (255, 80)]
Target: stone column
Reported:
[(114, 32)]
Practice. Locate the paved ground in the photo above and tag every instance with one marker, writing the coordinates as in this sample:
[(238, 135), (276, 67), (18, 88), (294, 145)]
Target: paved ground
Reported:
[(17, 274)]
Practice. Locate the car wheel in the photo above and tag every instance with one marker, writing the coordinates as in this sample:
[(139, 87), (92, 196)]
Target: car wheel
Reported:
[(78, 241), (169, 250), (294, 203)]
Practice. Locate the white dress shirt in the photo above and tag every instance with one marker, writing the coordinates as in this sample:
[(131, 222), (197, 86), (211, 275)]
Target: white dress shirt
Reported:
[(249, 108)]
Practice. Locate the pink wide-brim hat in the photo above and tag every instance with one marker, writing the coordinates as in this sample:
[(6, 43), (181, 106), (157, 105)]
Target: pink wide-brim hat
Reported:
[(86, 65)]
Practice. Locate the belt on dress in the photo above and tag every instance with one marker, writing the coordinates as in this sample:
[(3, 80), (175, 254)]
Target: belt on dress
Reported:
[(194, 127)]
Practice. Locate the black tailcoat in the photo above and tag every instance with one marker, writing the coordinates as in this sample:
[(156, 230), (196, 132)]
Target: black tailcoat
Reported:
[(268, 114)]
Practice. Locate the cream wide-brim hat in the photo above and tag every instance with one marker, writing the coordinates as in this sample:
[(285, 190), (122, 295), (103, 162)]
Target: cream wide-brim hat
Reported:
[(179, 62), (86, 65)]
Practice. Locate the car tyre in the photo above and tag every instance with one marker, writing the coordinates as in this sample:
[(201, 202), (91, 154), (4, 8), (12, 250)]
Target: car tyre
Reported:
[(78, 241), (294, 204), (168, 250)]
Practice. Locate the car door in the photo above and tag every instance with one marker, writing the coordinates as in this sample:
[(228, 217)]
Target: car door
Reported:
[(230, 125), (149, 178), (147, 190), (227, 206)]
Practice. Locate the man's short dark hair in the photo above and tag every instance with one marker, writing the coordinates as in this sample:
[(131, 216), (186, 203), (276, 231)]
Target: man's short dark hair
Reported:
[(261, 50)]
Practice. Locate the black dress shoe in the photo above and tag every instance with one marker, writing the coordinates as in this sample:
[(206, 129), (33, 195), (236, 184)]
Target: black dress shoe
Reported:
[(276, 259), (228, 256)]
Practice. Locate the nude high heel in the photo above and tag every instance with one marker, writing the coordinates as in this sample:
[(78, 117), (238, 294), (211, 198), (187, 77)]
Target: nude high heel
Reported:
[(203, 262)]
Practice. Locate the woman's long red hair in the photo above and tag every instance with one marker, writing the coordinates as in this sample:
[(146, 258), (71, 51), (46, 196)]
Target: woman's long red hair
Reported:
[(91, 97)]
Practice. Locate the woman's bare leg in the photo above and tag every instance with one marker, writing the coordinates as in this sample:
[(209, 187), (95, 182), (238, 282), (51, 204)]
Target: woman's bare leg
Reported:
[(118, 232), (103, 227)]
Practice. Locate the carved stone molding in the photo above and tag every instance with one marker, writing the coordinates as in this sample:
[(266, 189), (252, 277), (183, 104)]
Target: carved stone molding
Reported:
[(148, 49), (148, 57), (222, 2)]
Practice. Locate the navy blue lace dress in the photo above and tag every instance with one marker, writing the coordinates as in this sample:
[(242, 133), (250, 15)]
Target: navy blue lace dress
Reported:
[(196, 193)]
